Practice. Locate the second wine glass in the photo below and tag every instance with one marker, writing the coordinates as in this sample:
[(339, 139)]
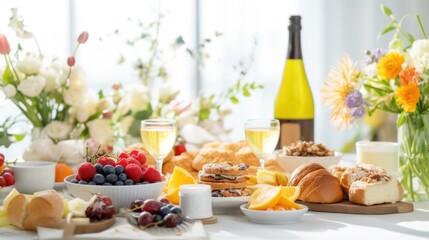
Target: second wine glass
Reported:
[(262, 136), (158, 136)]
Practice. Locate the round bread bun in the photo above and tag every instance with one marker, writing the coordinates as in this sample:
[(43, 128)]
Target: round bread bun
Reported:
[(245, 155), (213, 155), (184, 161), (234, 147)]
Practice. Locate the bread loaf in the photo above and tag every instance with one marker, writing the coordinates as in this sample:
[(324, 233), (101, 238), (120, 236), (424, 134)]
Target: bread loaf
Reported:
[(317, 184), (357, 172), (376, 189), (44, 209)]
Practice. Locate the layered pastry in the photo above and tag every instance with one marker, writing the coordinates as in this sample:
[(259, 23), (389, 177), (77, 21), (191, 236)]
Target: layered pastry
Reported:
[(376, 188), (225, 179)]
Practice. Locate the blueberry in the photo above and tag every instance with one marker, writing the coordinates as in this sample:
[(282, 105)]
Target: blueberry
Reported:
[(119, 183), (119, 169), (129, 182), (74, 180), (82, 182), (122, 177), (164, 211), (111, 178), (99, 179), (176, 210), (91, 183), (99, 168), (107, 184), (170, 206), (157, 218), (139, 183), (145, 182), (108, 169)]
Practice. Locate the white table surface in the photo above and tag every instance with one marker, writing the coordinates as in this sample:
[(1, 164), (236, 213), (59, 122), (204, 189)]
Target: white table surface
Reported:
[(313, 225)]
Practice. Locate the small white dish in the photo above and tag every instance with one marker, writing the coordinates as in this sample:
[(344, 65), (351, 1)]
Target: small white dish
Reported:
[(33, 176), (274, 217), (225, 205), (290, 163)]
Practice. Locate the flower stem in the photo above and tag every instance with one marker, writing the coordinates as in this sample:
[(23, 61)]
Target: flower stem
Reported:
[(421, 26)]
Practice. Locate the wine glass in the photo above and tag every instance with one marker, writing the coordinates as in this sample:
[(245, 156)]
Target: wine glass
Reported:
[(158, 136), (262, 136)]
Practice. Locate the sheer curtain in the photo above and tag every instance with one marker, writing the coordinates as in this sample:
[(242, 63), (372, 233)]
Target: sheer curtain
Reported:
[(330, 29)]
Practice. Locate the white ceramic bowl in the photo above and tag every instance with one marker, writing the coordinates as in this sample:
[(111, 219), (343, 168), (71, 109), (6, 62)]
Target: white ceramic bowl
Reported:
[(290, 163), (33, 176), (274, 217), (121, 196)]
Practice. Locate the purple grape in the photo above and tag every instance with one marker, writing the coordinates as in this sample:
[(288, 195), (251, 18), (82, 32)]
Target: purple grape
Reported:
[(152, 206), (145, 218), (136, 205), (171, 220)]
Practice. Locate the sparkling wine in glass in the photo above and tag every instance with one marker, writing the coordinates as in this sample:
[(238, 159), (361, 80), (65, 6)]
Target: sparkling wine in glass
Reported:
[(262, 136), (158, 136)]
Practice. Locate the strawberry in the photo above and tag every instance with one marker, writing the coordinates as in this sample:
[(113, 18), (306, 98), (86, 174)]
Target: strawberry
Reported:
[(151, 175), (3, 181), (107, 200), (86, 171), (123, 162), (132, 160), (1, 159), (134, 172), (9, 178), (123, 155), (105, 160), (179, 149)]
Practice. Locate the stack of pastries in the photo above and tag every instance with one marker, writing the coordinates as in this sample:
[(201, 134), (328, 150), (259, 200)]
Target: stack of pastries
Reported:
[(363, 184), (215, 152), (225, 179)]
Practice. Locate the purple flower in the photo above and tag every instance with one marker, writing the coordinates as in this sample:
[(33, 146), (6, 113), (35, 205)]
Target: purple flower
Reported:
[(357, 112), (354, 99), (374, 55)]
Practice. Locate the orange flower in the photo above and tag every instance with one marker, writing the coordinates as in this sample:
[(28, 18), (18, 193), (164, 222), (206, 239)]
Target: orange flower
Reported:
[(390, 65), (407, 96), (409, 75)]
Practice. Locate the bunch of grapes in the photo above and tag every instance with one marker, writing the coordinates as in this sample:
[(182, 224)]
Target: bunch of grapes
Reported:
[(102, 208), (157, 213), (7, 177)]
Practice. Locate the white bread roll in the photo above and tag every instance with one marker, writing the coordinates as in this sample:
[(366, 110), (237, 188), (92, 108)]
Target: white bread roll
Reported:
[(44, 209), (17, 210), (357, 172), (317, 184), (376, 189)]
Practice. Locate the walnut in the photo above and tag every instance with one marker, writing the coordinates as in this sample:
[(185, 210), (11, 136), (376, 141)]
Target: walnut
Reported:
[(303, 148)]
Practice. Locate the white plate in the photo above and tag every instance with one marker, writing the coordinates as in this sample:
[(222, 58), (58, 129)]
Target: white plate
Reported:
[(59, 185), (274, 217), (225, 205)]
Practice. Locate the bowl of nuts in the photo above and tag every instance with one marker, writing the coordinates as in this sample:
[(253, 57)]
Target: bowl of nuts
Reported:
[(302, 152)]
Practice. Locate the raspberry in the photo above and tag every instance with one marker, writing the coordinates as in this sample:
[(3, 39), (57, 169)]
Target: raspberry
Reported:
[(141, 158), (144, 167), (132, 160), (105, 160), (151, 175), (78, 177), (123, 162), (134, 172), (3, 181), (134, 152), (179, 149), (86, 171), (123, 155)]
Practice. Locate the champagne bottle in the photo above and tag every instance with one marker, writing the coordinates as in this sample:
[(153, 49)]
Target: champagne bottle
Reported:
[(294, 106)]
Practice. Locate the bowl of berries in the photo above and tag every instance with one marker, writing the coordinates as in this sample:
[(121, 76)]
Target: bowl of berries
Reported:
[(123, 178)]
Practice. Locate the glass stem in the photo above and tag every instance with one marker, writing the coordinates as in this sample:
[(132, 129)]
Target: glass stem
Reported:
[(159, 165)]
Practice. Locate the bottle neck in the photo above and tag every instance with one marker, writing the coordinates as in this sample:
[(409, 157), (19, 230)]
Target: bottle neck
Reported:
[(294, 49)]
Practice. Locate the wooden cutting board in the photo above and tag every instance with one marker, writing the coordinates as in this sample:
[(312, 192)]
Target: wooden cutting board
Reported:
[(94, 227), (347, 207)]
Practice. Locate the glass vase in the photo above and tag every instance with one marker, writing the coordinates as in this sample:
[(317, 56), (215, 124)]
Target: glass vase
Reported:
[(413, 139)]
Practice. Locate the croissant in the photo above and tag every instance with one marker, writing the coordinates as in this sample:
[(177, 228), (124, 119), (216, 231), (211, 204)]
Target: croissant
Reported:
[(317, 184)]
